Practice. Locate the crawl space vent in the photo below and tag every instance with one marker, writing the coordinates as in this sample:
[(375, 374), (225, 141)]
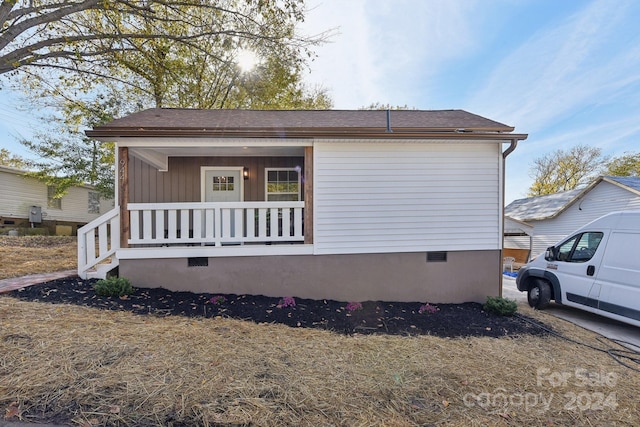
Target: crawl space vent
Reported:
[(437, 256), (198, 262)]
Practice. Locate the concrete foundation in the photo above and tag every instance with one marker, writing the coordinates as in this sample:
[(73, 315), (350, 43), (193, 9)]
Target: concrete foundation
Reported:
[(464, 276)]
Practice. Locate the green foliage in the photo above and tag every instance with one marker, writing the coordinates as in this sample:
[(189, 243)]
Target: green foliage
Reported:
[(66, 157), (565, 170), (174, 55), (379, 106), (113, 287), (8, 159), (500, 306), (625, 165)]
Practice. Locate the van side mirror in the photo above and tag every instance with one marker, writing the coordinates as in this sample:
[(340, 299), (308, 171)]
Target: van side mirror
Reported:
[(550, 254)]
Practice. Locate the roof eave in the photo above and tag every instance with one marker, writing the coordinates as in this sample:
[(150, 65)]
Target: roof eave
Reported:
[(106, 133)]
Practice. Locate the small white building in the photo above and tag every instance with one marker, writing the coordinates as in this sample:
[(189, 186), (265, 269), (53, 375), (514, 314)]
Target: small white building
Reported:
[(345, 205), (555, 216), (25, 201)]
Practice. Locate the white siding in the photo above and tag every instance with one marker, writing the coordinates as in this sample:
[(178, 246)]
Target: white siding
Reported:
[(18, 193), (406, 196), (601, 200)]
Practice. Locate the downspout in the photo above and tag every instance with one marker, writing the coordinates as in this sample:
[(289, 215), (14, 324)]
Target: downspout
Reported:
[(505, 153), (509, 150)]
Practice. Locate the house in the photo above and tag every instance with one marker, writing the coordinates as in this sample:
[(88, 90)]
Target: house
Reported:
[(27, 202), (345, 205), (555, 216), (522, 233)]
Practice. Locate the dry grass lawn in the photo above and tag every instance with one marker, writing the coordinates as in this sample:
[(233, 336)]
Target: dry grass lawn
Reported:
[(36, 254), (90, 367)]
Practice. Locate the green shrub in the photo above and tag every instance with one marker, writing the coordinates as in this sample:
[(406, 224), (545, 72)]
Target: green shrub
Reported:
[(500, 306), (113, 287)]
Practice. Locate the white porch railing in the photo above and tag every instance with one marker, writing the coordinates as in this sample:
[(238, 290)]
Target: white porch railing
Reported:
[(215, 223), (98, 241)]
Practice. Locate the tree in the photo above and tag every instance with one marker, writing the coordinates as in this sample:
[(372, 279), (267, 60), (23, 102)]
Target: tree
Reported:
[(625, 165), (67, 158), (143, 47), (8, 159), (565, 170), (69, 35), (151, 54)]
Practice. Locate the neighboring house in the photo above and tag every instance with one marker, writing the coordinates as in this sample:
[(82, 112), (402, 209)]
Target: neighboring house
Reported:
[(25, 202), (555, 216), (345, 205), (522, 234)]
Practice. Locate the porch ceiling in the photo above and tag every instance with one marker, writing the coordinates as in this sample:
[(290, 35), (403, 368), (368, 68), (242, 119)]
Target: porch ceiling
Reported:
[(244, 151), (159, 157)]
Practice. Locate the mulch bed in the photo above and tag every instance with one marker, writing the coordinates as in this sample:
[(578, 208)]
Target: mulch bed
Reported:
[(374, 317)]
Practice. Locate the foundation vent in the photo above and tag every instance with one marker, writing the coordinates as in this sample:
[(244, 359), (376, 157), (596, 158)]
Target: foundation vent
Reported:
[(437, 256), (198, 262)]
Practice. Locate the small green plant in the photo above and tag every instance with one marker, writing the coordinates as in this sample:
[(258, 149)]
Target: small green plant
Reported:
[(113, 287), (500, 306)]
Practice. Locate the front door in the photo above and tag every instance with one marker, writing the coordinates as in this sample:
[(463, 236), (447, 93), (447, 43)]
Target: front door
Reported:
[(223, 184)]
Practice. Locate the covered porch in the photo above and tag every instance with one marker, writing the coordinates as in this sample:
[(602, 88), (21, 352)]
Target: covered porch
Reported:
[(196, 199)]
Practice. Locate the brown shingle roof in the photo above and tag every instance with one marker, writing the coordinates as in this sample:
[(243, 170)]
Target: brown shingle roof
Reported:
[(173, 122)]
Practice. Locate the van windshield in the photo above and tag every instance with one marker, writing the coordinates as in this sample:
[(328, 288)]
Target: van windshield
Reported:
[(580, 248)]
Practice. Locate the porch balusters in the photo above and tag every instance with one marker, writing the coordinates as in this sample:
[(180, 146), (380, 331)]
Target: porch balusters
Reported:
[(215, 223)]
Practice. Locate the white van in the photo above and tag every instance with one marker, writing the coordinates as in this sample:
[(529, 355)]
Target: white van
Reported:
[(595, 269)]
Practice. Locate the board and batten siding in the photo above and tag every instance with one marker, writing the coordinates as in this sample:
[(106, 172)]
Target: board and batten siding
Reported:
[(377, 197), (601, 200), (181, 183), (19, 192)]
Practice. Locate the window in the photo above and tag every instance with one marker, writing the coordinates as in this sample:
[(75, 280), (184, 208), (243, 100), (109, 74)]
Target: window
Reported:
[(52, 201), (580, 248), (282, 184), (223, 183), (94, 202)]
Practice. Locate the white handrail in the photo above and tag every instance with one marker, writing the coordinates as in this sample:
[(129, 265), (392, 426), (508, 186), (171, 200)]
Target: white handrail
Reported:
[(107, 239)]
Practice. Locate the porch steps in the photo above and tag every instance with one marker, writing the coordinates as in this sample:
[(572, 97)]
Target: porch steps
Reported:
[(100, 271)]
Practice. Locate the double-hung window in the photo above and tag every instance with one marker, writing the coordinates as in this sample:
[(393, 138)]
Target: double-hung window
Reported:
[(282, 184)]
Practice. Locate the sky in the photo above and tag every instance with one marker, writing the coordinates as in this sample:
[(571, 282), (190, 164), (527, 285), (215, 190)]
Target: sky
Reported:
[(565, 72)]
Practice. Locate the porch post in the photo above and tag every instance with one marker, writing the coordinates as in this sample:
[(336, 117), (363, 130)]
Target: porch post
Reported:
[(308, 195), (123, 194)]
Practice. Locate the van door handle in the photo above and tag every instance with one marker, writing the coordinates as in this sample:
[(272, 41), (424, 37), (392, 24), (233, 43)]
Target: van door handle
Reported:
[(591, 269)]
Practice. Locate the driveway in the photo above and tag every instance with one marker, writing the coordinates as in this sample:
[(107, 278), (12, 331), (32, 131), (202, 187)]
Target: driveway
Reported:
[(604, 326)]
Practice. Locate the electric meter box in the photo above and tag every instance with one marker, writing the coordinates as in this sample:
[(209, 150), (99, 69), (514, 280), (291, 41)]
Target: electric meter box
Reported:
[(35, 214)]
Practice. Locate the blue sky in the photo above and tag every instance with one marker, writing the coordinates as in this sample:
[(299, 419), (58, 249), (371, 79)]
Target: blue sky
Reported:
[(566, 72)]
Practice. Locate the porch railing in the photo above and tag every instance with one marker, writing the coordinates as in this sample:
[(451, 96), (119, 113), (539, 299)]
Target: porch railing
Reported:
[(215, 223), (98, 241)]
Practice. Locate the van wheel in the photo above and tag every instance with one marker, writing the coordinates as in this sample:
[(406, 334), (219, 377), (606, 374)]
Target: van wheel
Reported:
[(539, 294)]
